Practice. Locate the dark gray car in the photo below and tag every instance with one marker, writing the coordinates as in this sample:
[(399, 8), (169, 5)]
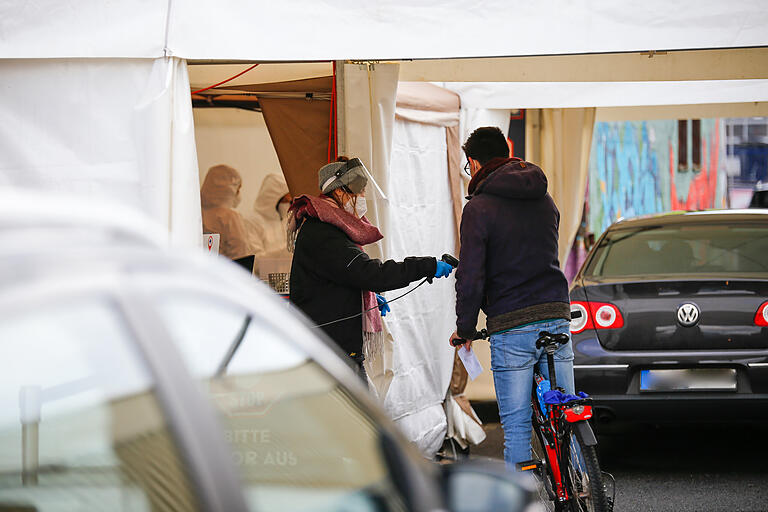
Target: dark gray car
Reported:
[(675, 317), (136, 378)]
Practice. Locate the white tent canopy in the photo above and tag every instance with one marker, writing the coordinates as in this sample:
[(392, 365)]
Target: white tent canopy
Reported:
[(305, 30)]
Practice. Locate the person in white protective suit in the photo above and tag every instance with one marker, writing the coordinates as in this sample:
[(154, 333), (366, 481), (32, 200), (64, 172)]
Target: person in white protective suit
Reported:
[(220, 195), (267, 226)]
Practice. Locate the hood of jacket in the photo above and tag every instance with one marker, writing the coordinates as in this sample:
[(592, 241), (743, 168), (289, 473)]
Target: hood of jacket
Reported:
[(272, 190), (514, 179), (220, 187)]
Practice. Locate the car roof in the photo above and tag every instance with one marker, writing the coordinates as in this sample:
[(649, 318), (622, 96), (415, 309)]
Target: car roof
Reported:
[(693, 217)]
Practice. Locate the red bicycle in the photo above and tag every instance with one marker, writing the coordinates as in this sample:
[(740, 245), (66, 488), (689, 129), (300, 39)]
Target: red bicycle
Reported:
[(563, 444)]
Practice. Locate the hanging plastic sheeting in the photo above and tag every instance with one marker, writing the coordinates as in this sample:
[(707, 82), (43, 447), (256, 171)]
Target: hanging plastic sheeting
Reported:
[(566, 139), (408, 161), (134, 145), (367, 119), (421, 222)]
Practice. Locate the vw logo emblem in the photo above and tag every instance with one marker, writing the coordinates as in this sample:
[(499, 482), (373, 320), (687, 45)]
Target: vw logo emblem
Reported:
[(688, 314)]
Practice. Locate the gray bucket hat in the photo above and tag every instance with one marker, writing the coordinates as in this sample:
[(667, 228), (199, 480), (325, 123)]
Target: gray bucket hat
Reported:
[(351, 174)]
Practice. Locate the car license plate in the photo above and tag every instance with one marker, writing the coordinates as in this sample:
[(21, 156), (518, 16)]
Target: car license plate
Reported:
[(693, 379)]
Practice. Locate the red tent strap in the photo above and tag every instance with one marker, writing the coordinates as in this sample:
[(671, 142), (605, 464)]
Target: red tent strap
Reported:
[(225, 81), (332, 120)]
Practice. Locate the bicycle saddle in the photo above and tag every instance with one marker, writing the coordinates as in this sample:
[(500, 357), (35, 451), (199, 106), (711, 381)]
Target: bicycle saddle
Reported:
[(547, 338)]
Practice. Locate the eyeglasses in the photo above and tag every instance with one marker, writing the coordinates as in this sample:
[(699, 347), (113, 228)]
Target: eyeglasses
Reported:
[(467, 169)]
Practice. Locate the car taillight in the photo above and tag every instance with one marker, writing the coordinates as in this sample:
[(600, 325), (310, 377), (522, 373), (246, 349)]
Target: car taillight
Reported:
[(598, 315), (761, 317), (606, 316), (580, 323)]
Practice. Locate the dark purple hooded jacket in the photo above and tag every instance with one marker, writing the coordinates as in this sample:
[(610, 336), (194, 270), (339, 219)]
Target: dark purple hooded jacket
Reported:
[(508, 260)]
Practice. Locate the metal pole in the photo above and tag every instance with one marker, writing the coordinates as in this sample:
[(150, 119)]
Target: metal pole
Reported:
[(30, 402), (340, 109)]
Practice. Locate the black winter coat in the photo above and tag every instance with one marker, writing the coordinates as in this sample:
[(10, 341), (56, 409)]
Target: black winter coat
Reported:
[(330, 272)]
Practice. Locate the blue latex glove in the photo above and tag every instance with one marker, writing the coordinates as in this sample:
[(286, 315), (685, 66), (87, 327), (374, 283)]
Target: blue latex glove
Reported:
[(443, 269), (383, 306)]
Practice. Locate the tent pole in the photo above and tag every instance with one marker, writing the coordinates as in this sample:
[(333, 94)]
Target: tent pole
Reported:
[(341, 143)]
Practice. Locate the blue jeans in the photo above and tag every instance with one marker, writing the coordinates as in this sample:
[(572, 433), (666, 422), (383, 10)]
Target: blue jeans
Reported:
[(513, 357)]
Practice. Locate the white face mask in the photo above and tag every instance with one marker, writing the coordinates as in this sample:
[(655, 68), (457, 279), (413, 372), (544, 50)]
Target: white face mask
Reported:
[(282, 209), (360, 207)]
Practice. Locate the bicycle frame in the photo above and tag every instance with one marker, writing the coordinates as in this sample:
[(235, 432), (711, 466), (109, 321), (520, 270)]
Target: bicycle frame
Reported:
[(554, 430)]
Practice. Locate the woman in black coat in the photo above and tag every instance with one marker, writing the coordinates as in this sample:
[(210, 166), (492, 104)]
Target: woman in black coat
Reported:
[(331, 277)]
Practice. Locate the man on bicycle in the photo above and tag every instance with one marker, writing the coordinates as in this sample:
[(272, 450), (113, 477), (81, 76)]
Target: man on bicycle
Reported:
[(509, 268)]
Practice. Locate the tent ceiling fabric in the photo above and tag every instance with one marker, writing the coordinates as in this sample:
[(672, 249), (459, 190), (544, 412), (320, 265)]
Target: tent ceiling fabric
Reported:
[(513, 95), (397, 29), (306, 30), (307, 85), (205, 74)]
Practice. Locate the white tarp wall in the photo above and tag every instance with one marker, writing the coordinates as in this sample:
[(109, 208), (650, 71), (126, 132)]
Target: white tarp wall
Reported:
[(421, 223), (409, 162), (367, 117), (114, 130)]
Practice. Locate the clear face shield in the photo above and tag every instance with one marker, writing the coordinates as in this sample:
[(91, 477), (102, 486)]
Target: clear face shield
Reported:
[(354, 176)]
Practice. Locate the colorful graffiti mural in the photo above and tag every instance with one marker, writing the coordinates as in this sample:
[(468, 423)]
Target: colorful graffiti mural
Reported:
[(634, 170)]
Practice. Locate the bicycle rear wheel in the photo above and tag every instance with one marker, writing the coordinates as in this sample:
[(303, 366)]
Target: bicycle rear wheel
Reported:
[(585, 478)]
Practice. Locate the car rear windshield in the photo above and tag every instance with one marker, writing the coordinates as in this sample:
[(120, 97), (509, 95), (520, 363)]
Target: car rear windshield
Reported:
[(733, 250)]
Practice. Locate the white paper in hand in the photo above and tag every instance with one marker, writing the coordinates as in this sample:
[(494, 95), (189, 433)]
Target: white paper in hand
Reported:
[(471, 363)]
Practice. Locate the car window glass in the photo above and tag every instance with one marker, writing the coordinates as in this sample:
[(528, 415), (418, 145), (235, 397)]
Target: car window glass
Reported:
[(730, 250), (207, 337), (80, 427), (299, 440)]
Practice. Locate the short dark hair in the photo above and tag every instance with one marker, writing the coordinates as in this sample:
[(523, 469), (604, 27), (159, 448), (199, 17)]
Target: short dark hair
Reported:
[(485, 144)]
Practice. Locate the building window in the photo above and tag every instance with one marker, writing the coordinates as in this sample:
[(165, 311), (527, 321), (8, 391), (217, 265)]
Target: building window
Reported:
[(689, 145)]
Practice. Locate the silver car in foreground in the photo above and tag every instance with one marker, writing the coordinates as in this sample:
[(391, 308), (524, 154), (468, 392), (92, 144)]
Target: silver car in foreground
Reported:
[(135, 378)]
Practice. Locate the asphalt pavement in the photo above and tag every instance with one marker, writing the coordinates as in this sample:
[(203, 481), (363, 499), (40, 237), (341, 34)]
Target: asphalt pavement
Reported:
[(677, 467)]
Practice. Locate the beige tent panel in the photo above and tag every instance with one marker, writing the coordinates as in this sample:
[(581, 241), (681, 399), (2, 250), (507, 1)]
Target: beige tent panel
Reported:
[(299, 132), (751, 109), (426, 96), (206, 73), (733, 64), (307, 85)]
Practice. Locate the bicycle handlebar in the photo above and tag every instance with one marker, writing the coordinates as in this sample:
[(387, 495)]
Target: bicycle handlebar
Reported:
[(480, 335)]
